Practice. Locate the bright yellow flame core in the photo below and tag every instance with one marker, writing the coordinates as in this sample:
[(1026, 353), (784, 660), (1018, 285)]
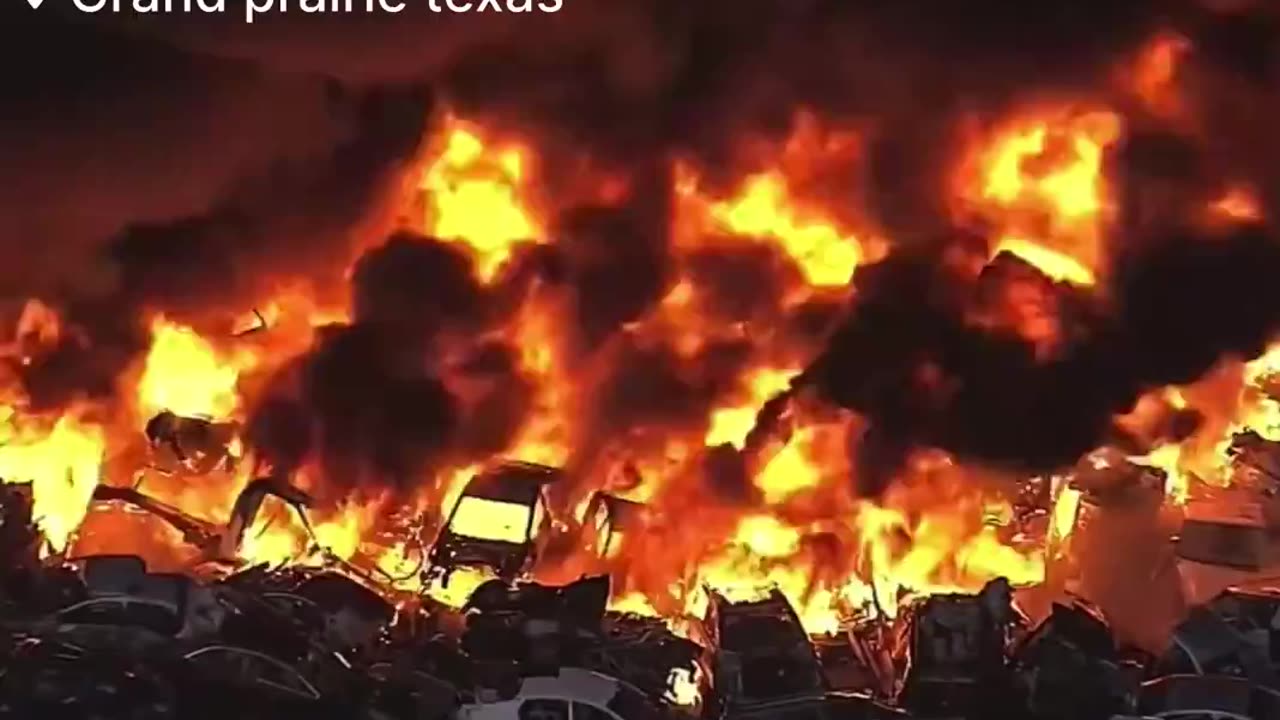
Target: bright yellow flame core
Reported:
[(61, 462), (765, 208), (732, 424), (477, 195), (185, 374), (486, 519), (1040, 184)]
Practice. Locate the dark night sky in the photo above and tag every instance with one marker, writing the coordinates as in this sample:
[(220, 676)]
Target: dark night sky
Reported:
[(109, 120)]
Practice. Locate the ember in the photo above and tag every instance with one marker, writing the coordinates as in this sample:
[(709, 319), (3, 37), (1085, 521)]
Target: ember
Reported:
[(641, 379)]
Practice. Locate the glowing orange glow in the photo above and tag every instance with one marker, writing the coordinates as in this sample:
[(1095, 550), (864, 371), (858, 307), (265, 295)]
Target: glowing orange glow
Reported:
[(793, 469), (786, 512), (762, 209), (731, 424), (1066, 508), (546, 435), (462, 583), (775, 206), (1234, 397), (1155, 73), (477, 194), (1237, 203), (1169, 458)]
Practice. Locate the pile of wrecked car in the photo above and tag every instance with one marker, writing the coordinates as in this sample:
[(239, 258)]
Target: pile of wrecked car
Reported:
[(106, 637)]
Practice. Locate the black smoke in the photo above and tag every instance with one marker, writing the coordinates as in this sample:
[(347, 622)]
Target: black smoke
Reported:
[(909, 359)]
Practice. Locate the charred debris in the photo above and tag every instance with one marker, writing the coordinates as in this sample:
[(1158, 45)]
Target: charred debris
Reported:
[(103, 636)]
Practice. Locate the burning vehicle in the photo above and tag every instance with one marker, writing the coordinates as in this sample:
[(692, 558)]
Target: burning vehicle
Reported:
[(216, 544), (761, 657), (500, 522), (609, 520), (955, 652)]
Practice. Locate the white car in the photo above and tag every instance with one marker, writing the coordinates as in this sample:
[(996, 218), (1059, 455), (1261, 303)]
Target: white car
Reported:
[(574, 694)]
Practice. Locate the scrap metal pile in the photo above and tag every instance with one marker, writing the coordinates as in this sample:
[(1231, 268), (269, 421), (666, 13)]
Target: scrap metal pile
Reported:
[(104, 637)]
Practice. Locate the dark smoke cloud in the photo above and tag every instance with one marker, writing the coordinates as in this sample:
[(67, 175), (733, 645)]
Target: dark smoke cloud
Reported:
[(416, 286), (908, 359), (103, 131), (139, 177), (363, 410), (616, 261)]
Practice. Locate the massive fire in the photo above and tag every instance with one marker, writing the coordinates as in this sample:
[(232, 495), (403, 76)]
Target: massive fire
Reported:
[(1037, 178)]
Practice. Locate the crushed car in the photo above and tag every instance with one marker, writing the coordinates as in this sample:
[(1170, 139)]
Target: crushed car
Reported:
[(953, 651), (764, 665)]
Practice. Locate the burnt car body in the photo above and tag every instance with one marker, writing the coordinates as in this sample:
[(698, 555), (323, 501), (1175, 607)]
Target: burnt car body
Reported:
[(500, 522), (1192, 697), (570, 693), (191, 446), (761, 659), (217, 544), (1233, 635), (609, 519), (953, 648)]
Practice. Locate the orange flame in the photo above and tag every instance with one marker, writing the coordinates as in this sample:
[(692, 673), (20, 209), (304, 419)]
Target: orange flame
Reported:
[(1155, 73), (781, 206), (1039, 183)]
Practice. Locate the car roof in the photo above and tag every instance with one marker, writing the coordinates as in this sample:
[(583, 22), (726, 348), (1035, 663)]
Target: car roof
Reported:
[(572, 684), (510, 481)]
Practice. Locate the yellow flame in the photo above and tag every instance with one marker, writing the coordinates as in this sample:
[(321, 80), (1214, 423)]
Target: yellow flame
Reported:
[(477, 195), (62, 464), (486, 519), (765, 208), (185, 374), (732, 424), (792, 470)]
